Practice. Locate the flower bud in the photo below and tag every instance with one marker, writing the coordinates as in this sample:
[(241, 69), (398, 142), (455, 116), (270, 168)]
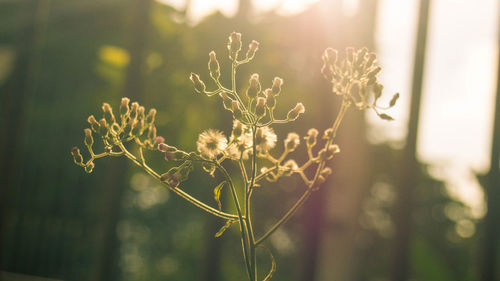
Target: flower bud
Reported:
[(270, 98), (93, 123), (108, 113), (330, 56), (252, 48), (89, 167), (377, 90), (128, 127), (151, 132), (175, 155), (254, 87), (89, 140), (295, 112), (371, 80), (124, 107), (311, 137), (290, 167), (103, 127), (326, 172), (163, 147), (150, 118), (328, 134), (172, 177), (327, 154), (237, 129), (277, 83), (226, 100), (133, 110), (234, 45), (238, 114), (372, 73), (327, 72), (213, 66), (260, 107), (137, 127), (369, 61), (199, 86), (360, 57), (157, 141), (140, 113), (292, 141), (77, 156), (319, 181)]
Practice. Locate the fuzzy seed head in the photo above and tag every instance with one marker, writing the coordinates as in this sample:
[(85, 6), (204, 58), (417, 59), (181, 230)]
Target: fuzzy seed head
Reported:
[(260, 108), (254, 87), (211, 143), (265, 139), (311, 137), (296, 111), (124, 107), (292, 141), (89, 140), (277, 83), (199, 86)]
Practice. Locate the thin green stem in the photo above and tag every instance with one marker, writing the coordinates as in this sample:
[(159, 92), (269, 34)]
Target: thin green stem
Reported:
[(248, 202), (243, 227), (176, 190)]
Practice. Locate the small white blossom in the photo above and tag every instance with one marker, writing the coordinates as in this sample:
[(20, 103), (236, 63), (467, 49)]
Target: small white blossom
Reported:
[(265, 139), (211, 143), (240, 146)]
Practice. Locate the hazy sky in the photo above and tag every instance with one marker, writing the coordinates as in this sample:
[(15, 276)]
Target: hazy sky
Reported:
[(459, 82), (459, 85)]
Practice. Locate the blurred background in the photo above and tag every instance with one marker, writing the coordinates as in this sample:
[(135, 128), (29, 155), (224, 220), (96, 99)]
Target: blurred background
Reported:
[(417, 198)]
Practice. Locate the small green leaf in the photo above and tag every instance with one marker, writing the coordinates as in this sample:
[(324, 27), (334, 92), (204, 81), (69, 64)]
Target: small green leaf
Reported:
[(385, 117), (217, 192), (224, 227), (393, 100)]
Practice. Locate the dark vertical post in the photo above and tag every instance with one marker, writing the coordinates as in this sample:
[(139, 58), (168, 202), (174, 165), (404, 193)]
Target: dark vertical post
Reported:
[(115, 182), (408, 176), (15, 94), (489, 270)]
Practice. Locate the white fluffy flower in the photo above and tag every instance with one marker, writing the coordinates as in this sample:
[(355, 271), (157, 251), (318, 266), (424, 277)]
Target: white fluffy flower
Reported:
[(211, 143), (265, 139), (239, 146)]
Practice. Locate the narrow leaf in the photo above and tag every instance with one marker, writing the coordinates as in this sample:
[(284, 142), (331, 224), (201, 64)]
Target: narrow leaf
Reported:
[(217, 192), (393, 100), (224, 228), (385, 117)]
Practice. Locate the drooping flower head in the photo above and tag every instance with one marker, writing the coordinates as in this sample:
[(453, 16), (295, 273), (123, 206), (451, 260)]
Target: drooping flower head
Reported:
[(211, 143), (265, 139)]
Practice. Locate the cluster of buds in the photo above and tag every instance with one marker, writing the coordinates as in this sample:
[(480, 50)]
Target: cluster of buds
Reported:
[(256, 103), (355, 78), (131, 124), (171, 152), (282, 168), (176, 175)]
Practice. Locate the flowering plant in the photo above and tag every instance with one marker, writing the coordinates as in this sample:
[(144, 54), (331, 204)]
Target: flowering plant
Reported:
[(251, 142)]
